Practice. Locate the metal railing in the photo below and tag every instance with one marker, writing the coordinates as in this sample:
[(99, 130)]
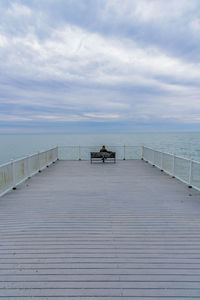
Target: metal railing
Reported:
[(83, 152), (186, 170), (17, 171)]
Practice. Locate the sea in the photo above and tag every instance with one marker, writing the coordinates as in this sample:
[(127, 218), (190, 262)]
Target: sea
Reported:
[(186, 144)]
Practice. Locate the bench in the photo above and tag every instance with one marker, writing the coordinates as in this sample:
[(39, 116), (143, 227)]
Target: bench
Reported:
[(96, 156)]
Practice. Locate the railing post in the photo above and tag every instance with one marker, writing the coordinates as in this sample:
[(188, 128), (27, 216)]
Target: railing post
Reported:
[(79, 152), (153, 162), (39, 162), (28, 167), (190, 175), (46, 161), (13, 174), (142, 153), (173, 166), (161, 162), (57, 153), (54, 151), (124, 153), (147, 154)]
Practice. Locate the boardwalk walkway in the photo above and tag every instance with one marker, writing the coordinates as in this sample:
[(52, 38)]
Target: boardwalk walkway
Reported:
[(101, 231)]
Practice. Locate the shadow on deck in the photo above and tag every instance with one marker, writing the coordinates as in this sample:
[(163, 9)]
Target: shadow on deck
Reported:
[(100, 231)]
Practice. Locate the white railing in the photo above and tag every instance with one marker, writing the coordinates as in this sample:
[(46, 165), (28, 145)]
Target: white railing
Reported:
[(17, 171), (186, 170), (83, 152)]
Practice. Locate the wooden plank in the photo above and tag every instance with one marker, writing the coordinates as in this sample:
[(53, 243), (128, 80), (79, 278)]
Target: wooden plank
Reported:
[(82, 231)]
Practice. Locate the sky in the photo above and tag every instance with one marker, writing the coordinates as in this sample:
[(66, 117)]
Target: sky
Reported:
[(70, 66)]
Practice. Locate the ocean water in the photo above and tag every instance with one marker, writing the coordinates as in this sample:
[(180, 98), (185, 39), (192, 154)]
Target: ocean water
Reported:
[(184, 144)]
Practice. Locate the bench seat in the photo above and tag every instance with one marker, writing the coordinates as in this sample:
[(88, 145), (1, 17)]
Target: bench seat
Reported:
[(109, 156)]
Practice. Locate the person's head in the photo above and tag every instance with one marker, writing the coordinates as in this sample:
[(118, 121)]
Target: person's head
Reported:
[(103, 147)]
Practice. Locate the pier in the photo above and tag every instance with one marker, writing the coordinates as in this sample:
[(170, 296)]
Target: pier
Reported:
[(100, 231)]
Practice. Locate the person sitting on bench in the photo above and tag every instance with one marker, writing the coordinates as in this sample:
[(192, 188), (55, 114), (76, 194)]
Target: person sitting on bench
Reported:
[(103, 149), (103, 154)]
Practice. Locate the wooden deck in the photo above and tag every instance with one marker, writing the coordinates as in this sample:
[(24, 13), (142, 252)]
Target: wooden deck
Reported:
[(101, 231)]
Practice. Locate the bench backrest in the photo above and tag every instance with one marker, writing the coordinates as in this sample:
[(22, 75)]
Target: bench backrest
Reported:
[(99, 154)]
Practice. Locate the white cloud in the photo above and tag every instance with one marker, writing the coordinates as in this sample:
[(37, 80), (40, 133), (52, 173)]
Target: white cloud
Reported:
[(195, 26), (115, 78), (3, 41), (102, 116), (75, 54), (58, 118), (19, 10), (146, 10), (13, 118)]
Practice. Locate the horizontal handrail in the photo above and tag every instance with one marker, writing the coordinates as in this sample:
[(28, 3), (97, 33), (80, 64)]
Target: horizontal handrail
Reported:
[(99, 146), (83, 152), (168, 153), (24, 157), (17, 171), (5, 164), (187, 171)]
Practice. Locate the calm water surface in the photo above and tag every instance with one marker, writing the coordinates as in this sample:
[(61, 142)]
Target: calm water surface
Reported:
[(184, 144)]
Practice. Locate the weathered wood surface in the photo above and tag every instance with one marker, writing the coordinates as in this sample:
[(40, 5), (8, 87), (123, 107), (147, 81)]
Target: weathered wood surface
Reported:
[(102, 231)]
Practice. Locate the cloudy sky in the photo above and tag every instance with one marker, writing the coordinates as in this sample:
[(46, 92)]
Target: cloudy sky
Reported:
[(99, 65)]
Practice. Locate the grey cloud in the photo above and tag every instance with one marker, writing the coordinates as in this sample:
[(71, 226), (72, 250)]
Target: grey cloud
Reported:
[(123, 65)]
